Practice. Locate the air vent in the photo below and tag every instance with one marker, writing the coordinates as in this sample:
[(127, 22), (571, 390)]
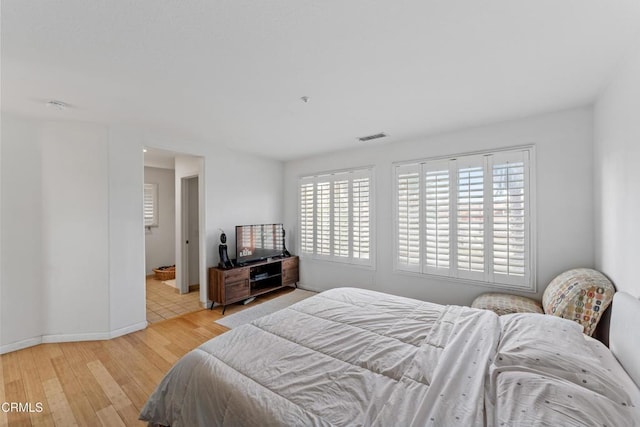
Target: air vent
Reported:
[(372, 137), (58, 105)]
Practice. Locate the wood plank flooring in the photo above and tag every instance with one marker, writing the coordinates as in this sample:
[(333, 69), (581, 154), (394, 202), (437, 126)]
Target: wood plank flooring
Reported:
[(94, 383)]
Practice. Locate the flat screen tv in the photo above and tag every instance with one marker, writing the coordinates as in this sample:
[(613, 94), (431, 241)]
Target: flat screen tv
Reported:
[(258, 242)]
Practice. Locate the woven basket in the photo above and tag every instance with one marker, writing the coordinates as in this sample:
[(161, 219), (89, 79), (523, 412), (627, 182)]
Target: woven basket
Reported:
[(165, 274)]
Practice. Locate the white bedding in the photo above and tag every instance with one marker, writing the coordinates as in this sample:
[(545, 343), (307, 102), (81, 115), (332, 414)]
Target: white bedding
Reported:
[(356, 357), (547, 373)]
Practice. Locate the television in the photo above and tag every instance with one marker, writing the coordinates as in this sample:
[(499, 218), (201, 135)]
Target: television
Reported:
[(258, 242)]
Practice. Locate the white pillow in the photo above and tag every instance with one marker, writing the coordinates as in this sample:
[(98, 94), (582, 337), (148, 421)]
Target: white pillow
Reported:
[(553, 347)]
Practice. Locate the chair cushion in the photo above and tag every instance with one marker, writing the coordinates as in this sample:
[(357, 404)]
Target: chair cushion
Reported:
[(581, 295), (501, 304)]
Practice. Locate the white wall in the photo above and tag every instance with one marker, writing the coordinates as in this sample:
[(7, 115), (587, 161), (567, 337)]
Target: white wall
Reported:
[(617, 176), (75, 233), (72, 248), (54, 232), (127, 308), (159, 242), (563, 143), (21, 228)]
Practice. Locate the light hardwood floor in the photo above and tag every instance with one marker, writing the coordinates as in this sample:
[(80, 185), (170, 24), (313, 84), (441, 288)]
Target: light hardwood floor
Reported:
[(95, 383)]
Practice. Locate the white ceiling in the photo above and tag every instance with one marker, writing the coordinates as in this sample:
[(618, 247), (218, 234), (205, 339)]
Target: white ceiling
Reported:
[(233, 72), (159, 158)]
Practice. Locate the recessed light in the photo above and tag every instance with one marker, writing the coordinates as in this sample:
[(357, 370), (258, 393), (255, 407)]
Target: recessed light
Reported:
[(58, 105), (305, 99), (144, 150)]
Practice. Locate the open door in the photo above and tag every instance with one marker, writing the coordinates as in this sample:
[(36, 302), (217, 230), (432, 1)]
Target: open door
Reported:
[(191, 235)]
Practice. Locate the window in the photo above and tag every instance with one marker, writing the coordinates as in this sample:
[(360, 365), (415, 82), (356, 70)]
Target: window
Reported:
[(150, 205), (335, 216), (467, 217)]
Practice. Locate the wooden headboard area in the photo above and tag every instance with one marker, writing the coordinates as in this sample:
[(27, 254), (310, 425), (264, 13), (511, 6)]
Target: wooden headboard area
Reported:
[(624, 333)]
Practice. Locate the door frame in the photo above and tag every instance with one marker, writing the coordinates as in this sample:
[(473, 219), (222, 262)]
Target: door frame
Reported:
[(178, 226)]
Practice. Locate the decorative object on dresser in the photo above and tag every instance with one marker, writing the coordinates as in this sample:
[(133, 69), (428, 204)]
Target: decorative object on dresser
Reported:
[(227, 286), (225, 262)]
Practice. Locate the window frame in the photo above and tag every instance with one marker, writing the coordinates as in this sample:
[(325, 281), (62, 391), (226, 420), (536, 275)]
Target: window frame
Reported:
[(486, 278), (151, 188), (351, 174)]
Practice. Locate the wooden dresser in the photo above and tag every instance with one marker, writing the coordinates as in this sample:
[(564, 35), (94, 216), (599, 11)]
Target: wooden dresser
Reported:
[(227, 286)]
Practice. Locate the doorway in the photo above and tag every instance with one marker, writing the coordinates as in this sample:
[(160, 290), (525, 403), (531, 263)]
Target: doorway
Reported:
[(175, 239)]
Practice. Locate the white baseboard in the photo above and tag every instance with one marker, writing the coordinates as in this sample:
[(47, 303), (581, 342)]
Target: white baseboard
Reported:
[(56, 338), (91, 336), (19, 345), (129, 329), (309, 288)]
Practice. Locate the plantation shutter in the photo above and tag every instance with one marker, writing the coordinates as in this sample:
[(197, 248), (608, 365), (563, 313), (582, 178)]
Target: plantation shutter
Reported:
[(150, 205), (323, 218), (341, 218), (361, 217), (335, 216), (408, 216), (510, 217), (470, 218), (307, 214), (437, 203), (466, 217)]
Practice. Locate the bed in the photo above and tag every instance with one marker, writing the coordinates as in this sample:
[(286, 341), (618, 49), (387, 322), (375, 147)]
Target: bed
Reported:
[(356, 357)]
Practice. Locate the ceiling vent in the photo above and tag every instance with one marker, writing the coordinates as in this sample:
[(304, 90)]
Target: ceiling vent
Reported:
[(372, 137), (58, 105)]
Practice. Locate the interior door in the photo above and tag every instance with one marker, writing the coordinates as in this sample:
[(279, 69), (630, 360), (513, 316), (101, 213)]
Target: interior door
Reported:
[(193, 233)]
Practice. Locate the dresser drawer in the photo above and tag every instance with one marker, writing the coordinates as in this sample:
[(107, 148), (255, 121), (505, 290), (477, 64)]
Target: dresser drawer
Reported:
[(236, 274), (288, 263), (236, 290), (289, 275)]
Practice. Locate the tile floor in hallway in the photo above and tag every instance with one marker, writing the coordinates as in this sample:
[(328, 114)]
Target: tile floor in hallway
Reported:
[(163, 302)]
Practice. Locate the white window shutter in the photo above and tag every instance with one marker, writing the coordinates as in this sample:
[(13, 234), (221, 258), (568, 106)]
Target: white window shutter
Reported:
[(150, 205), (467, 217), (307, 217), (408, 217), (510, 193), (335, 216), (323, 218), (341, 218), (437, 217), (361, 218), (470, 218)]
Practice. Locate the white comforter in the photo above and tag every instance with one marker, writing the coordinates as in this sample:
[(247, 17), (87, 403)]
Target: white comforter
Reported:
[(355, 357)]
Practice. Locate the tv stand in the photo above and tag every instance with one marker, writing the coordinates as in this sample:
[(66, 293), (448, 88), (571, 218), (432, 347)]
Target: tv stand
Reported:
[(227, 286)]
